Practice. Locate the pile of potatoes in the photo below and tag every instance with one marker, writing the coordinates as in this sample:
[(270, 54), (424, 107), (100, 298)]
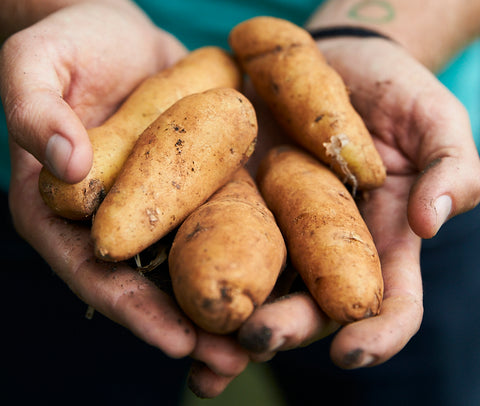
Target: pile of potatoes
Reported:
[(172, 160)]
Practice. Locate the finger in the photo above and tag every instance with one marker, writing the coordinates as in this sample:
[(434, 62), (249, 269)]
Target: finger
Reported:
[(118, 292), (38, 117), (131, 300), (449, 183), (375, 340), (289, 322), (223, 355), (205, 383), (115, 290), (219, 360)]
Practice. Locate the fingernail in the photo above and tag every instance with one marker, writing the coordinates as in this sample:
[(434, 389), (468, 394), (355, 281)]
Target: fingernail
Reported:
[(443, 207), (357, 359), (57, 155), (192, 384), (278, 344), (257, 340)]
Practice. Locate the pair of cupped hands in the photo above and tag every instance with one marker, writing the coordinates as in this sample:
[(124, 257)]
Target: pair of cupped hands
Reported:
[(72, 69)]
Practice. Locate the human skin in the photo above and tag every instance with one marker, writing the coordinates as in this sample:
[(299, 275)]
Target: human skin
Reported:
[(424, 136), (432, 33), (55, 94), (430, 127)]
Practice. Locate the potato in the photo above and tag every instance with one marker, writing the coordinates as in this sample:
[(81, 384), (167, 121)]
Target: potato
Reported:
[(181, 159), (307, 97), (202, 69), (328, 242), (226, 257)]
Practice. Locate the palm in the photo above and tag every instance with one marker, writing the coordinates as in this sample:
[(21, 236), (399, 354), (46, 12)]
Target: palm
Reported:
[(72, 69), (95, 70), (99, 66), (419, 129), (415, 124)]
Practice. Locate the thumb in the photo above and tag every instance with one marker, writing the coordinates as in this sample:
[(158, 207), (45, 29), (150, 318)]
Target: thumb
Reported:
[(39, 119), (42, 123), (449, 185)]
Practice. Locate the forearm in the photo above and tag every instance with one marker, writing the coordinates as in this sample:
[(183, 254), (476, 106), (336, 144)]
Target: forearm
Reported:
[(432, 30)]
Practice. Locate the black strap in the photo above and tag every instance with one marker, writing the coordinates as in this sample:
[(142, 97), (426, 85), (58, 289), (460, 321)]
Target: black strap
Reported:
[(346, 31)]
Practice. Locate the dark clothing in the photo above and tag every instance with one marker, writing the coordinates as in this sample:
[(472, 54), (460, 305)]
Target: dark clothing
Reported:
[(51, 354), (440, 366)]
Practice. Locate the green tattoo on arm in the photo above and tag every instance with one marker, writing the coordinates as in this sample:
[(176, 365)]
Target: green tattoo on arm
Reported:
[(372, 11)]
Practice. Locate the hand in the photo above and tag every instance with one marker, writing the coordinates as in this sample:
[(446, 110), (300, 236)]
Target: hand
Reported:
[(70, 71), (64, 74), (424, 136)]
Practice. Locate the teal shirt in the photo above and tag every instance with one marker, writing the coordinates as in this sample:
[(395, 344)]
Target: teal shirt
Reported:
[(207, 22), (462, 77), (198, 23)]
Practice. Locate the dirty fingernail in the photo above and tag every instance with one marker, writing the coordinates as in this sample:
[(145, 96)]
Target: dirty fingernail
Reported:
[(192, 384), (257, 340), (443, 207), (357, 359), (57, 155)]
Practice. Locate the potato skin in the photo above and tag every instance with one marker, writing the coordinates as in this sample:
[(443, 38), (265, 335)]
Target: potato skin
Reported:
[(307, 97), (202, 69), (328, 241), (226, 257), (181, 159)]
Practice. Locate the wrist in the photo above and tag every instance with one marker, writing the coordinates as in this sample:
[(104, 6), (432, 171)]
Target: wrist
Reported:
[(346, 43), (432, 35), (340, 31)]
